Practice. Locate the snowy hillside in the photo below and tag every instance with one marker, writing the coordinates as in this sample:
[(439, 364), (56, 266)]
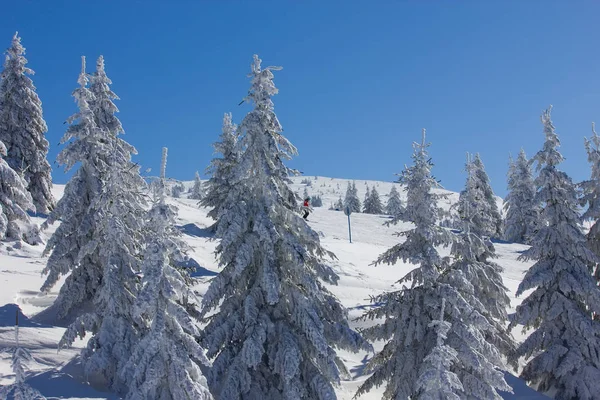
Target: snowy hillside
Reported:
[(55, 374)]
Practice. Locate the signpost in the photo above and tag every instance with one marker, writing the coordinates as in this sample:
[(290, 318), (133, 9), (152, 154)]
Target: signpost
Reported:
[(347, 211)]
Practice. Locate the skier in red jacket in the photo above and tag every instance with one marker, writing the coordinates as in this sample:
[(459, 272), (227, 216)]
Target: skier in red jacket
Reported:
[(306, 208)]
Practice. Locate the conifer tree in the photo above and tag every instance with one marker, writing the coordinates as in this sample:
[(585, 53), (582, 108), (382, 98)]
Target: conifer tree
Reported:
[(564, 346), (220, 169), (165, 362), (394, 204), (113, 249), (373, 203), (103, 203), (352, 201), (591, 194), (22, 127), (15, 200), (519, 204), (197, 188), (277, 326), (480, 199), (409, 311), (471, 364)]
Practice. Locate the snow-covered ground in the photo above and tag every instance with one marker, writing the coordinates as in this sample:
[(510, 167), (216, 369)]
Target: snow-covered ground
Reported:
[(56, 374)]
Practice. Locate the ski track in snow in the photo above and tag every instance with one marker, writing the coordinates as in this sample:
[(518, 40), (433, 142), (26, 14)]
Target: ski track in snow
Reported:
[(56, 374)]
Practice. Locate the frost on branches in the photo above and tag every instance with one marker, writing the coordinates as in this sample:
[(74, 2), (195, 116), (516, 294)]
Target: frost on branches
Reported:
[(591, 194), (481, 201), (409, 311), (165, 362), (87, 203), (221, 170), (15, 200), (22, 127), (564, 346), (106, 252), (72, 246), (519, 204), (351, 200), (277, 328)]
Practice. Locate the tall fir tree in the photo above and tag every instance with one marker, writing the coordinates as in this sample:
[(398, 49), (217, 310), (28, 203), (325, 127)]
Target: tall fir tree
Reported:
[(409, 311), (15, 200), (197, 188), (351, 200), (22, 127), (394, 204), (591, 194), (165, 363), (69, 247), (106, 265), (472, 363), (277, 326), (221, 170), (563, 348), (519, 204), (479, 198), (87, 207)]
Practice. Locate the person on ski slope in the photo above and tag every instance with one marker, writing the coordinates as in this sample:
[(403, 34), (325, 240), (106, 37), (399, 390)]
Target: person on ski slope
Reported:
[(306, 208)]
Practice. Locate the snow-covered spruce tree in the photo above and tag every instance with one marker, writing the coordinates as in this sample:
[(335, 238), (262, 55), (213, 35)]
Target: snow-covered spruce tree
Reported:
[(165, 362), (394, 204), (591, 194), (220, 183), (197, 188), (71, 247), (480, 200), (351, 200), (477, 255), (373, 203), (277, 328), (436, 379), (98, 240), (564, 346), (409, 311), (107, 256), (478, 331), (15, 200), (22, 127), (519, 204)]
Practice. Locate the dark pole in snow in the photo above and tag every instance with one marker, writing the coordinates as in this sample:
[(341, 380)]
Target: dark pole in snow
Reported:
[(347, 211)]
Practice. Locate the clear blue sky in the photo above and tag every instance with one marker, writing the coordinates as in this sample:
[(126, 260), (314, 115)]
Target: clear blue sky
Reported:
[(359, 80)]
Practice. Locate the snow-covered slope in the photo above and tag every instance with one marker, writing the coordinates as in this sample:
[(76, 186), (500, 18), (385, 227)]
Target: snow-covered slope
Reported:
[(55, 374)]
